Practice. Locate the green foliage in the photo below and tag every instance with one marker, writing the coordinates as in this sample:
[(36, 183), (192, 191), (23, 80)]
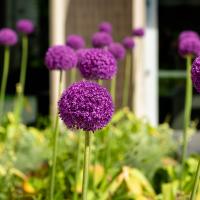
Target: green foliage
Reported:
[(130, 159)]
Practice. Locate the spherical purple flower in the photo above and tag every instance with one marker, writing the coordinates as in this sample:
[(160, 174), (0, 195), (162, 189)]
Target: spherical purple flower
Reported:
[(189, 46), (25, 26), (8, 37), (186, 34), (128, 42), (138, 32), (75, 42), (195, 73), (97, 64), (101, 39), (86, 105), (60, 57), (117, 50), (105, 27), (80, 53)]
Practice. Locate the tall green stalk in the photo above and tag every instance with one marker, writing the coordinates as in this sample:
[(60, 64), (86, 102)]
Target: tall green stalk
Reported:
[(22, 80), (113, 87), (4, 79), (127, 79), (188, 107), (73, 75), (100, 82), (55, 145), (196, 183), (86, 165), (78, 162)]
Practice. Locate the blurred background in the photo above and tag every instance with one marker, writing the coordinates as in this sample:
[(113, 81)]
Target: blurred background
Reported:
[(163, 73)]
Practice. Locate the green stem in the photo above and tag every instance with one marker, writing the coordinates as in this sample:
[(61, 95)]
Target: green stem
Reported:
[(73, 75), (78, 161), (4, 79), (100, 82), (113, 88), (22, 80), (86, 165), (196, 182), (127, 79), (55, 146), (188, 107)]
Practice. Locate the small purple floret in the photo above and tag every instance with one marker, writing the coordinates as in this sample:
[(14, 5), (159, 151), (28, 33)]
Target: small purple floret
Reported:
[(195, 73), (138, 32), (75, 42), (97, 64), (128, 42), (60, 57), (86, 105), (189, 46), (8, 37), (117, 50), (25, 26), (105, 27), (101, 39)]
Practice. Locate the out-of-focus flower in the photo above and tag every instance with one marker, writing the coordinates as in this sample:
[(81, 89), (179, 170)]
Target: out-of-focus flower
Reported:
[(60, 57), (8, 37), (138, 32), (25, 26), (97, 64), (186, 34), (101, 39), (86, 105), (75, 42), (189, 46), (128, 42), (105, 27), (117, 50)]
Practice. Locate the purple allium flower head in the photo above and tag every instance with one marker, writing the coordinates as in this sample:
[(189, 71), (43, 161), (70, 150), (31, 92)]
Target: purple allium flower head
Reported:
[(186, 34), (25, 26), (80, 53), (195, 73), (189, 46), (138, 32), (86, 105), (105, 27), (101, 39), (60, 57), (128, 42), (97, 64), (75, 42), (8, 37), (117, 50)]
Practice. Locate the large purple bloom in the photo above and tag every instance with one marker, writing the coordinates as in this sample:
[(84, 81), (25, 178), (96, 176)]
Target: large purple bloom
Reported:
[(25, 26), (117, 50), (80, 53), (189, 46), (101, 39), (105, 27), (97, 64), (138, 32), (75, 42), (60, 57), (186, 34), (86, 105), (195, 73), (8, 37), (128, 42)]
